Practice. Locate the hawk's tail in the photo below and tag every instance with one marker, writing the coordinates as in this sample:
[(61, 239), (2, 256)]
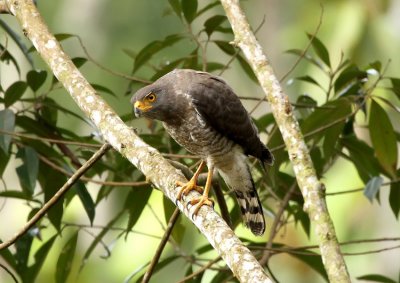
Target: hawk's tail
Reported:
[(251, 209)]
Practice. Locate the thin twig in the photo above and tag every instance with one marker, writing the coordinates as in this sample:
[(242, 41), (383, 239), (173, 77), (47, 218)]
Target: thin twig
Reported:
[(86, 179), (161, 246), (122, 75), (274, 228), (6, 268), (21, 135), (201, 270), (307, 47), (50, 203)]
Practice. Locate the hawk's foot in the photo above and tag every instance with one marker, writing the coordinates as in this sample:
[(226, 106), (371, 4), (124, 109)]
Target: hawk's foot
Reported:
[(199, 202), (187, 187)]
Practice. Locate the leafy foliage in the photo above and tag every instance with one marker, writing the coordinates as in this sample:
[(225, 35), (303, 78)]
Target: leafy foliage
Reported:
[(49, 151)]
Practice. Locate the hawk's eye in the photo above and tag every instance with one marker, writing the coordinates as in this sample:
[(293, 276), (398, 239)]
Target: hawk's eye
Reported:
[(151, 97)]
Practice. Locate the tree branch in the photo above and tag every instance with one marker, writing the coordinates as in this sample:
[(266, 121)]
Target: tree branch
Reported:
[(161, 246), (311, 188), (147, 159), (49, 204)]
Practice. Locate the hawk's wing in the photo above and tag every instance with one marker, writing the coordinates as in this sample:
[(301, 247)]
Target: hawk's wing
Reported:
[(219, 106)]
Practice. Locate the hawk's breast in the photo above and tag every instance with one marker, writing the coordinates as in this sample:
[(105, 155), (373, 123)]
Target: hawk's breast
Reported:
[(198, 137)]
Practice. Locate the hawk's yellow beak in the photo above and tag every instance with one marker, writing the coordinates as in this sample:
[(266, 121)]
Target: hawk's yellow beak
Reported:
[(143, 106), (140, 107)]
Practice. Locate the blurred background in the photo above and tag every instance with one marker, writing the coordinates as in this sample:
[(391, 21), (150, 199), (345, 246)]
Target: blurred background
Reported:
[(362, 30)]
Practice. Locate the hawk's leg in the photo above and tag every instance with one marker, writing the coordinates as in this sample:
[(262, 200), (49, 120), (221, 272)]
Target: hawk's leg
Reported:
[(204, 200), (192, 184)]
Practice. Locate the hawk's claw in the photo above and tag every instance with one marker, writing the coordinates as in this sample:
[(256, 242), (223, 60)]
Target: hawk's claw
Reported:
[(199, 202), (186, 188)]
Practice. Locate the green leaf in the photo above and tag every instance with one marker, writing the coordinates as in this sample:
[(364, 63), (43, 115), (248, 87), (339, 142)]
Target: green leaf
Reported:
[(8, 257), (161, 264), (189, 9), (4, 158), (23, 247), (176, 6), (152, 48), (40, 257), (28, 171), (320, 49), (135, 204), (309, 79), (65, 259), (376, 278), (179, 229), (63, 36), (99, 237), (7, 57), (299, 53), (225, 46), (15, 194), (207, 7), (7, 123), (334, 113), (394, 198), (79, 61), (383, 138), (395, 86), (14, 92), (36, 79), (264, 121), (86, 199), (100, 88), (373, 187), (51, 181), (350, 80), (362, 156), (211, 24)]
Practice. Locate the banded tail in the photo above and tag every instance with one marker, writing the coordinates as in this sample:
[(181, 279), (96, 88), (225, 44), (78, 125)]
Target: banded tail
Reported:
[(251, 209)]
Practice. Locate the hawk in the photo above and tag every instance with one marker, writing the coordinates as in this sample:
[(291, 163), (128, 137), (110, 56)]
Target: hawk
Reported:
[(204, 115)]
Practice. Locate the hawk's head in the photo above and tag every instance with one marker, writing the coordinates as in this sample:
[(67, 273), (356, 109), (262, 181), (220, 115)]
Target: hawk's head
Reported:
[(155, 101)]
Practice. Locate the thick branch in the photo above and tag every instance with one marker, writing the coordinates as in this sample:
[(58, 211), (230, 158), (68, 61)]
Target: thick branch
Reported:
[(147, 159), (311, 188)]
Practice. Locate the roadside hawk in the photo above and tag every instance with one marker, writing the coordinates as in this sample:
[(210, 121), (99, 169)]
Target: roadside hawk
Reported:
[(203, 114)]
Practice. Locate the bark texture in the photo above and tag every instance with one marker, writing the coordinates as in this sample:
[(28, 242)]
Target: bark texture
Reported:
[(122, 138), (311, 188)]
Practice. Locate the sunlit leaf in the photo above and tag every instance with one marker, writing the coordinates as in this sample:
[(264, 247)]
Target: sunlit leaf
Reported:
[(28, 171), (189, 9), (372, 188), (35, 79), (14, 93), (7, 123), (383, 138), (65, 259)]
